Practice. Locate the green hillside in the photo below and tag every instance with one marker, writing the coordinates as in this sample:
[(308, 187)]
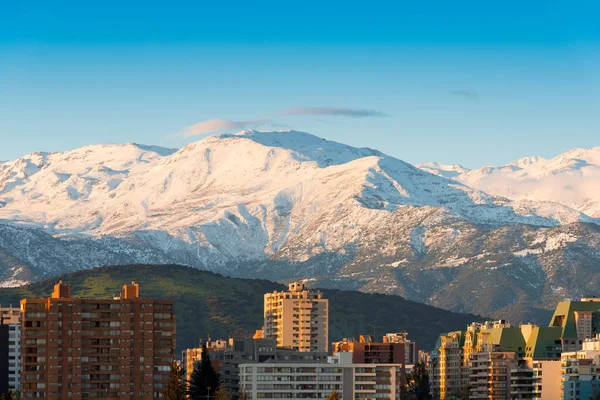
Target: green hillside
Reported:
[(211, 304)]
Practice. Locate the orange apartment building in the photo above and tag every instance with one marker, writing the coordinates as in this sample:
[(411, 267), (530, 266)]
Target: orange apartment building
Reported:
[(75, 348)]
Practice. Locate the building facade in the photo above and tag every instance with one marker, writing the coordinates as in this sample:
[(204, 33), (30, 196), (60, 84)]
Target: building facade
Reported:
[(317, 381), (297, 319), (75, 348)]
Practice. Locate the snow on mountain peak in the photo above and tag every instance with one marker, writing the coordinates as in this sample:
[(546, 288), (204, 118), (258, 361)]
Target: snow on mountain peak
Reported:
[(445, 170), (571, 178)]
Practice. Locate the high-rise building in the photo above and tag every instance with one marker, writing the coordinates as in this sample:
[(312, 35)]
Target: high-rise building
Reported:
[(75, 348), (297, 319), (10, 349), (317, 380)]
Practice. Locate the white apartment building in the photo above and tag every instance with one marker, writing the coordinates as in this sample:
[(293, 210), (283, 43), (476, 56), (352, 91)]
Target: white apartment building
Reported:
[(14, 357), (318, 380), (297, 319)]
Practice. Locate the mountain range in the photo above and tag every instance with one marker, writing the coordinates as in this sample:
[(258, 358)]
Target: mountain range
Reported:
[(288, 205)]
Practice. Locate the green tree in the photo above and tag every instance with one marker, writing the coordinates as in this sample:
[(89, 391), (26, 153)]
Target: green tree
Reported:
[(176, 387), (204, 382), (420, 379), (417, 384)]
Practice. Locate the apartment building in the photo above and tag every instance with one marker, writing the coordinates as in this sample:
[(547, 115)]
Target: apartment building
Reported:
[(578, 320), (451, 361), (297, 319), (10, 349), (318, 380), (76, 348), (367, 351)]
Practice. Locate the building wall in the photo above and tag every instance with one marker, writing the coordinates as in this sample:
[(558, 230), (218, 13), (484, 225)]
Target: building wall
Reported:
[(80, 348), (547, 375)]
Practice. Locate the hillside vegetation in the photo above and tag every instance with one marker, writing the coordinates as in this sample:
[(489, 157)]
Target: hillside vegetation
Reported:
[(211, 304)]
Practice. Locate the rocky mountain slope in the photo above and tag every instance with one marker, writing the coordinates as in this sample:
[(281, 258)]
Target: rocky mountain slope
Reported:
[(282, 205), (212, 304)]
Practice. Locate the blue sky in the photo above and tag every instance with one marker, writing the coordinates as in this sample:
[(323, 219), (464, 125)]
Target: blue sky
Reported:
[(469, 82)]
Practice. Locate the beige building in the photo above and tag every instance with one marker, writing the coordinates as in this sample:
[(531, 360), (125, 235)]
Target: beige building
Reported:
[(297, 319)]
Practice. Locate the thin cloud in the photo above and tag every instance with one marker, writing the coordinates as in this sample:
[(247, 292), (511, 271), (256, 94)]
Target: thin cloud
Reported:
[(466, 94), (216, 125), (333, 111)]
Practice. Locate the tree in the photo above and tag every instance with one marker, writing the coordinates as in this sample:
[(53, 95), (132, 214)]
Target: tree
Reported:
[(204, 382), (176, 387), (334, 395), (417, 387), (223, 393)]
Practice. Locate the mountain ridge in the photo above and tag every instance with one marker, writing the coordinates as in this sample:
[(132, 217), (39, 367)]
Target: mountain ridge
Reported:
[(290, 205)]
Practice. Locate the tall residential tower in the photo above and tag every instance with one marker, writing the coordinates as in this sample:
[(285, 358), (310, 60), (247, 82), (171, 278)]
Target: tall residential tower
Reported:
[(297, 319), (73, 348)]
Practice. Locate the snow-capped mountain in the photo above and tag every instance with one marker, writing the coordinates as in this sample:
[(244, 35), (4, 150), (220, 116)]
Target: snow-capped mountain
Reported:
[(280, 205), (571, 178), (446, 170)]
